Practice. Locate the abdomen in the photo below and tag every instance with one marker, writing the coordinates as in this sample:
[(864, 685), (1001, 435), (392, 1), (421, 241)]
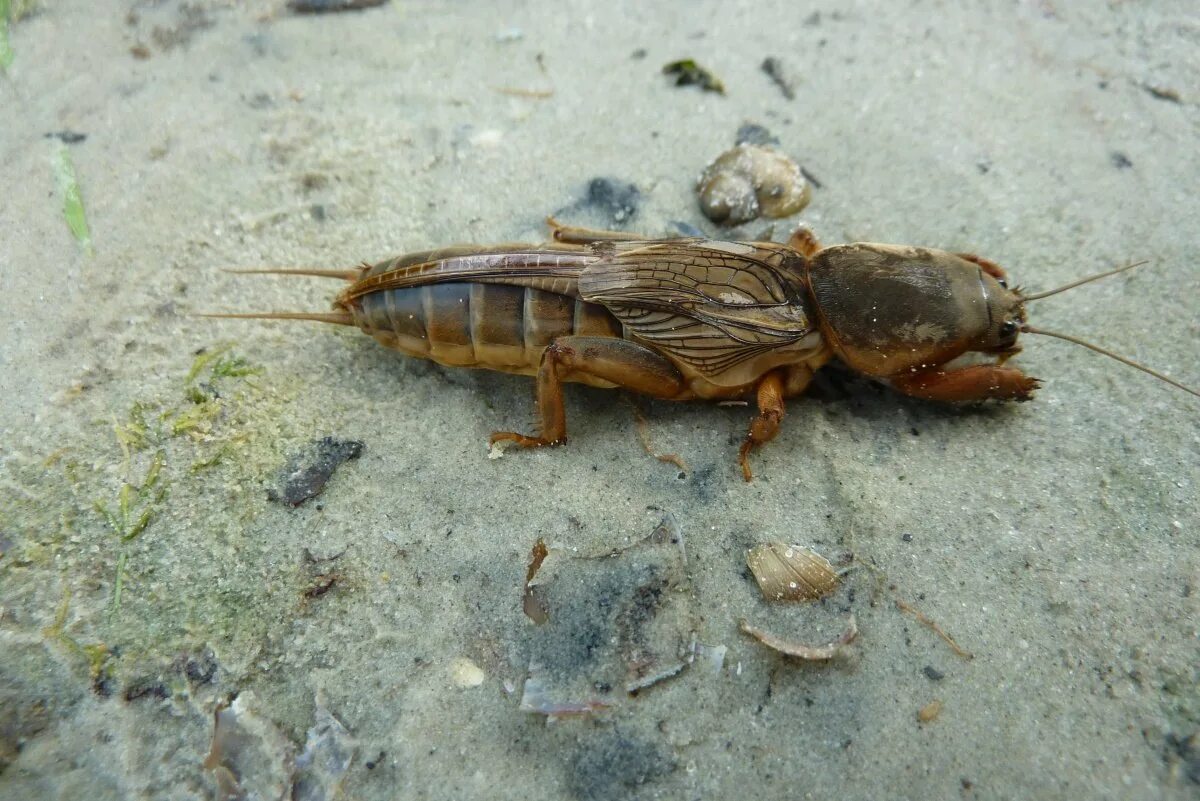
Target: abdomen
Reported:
[(492, 326)]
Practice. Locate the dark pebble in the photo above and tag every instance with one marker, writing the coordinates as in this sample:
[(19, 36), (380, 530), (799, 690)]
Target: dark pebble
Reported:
[(200, 668), (754, 134), (67, 137), (307, 472), (143, 687), (617, 200), (331, 6)]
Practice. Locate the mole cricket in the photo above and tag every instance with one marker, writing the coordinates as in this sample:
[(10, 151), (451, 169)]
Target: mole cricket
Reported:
[(692, 318)]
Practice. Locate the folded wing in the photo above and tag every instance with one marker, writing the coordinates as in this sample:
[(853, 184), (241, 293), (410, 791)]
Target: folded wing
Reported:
[(710, 304), (539, 266)]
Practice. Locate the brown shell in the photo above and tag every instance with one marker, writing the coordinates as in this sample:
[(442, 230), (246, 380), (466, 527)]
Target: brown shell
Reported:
[(791, 572), (749, 181)]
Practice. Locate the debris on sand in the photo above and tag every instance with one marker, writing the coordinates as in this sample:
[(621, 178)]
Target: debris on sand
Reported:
[(308, 471), (808, 653), (328, 751), (612, 624), (688, 73), (249, 756)]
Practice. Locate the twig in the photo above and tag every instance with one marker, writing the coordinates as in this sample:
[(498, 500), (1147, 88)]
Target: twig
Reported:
[(926, 621), (643, 429), (531, 94)]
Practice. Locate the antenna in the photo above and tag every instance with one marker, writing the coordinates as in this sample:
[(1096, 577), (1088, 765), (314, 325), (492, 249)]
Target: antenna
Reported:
[(1031, 330), (1088, 280)]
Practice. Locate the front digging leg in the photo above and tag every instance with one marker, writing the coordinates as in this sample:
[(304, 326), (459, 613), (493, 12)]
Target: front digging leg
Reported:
[(988, 266), (974, 383)]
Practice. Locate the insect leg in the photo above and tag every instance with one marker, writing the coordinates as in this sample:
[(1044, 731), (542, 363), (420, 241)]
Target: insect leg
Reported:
[(804, 242), (576, 235), (989, 267), (619, 361), (765, 426), (977, 382)]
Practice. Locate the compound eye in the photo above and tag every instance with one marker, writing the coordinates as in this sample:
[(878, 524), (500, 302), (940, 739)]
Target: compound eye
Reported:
[(1008, 329)]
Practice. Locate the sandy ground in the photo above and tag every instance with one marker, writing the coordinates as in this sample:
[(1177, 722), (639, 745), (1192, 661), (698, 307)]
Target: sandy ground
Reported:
[(146, 579)]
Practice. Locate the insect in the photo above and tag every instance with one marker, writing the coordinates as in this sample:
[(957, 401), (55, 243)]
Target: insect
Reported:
[(692, 318)]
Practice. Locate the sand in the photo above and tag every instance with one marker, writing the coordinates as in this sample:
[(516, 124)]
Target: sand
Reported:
[(380, 623)]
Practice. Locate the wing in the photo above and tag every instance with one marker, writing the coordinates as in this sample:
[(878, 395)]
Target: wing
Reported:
[(540, 266), (713, 305)]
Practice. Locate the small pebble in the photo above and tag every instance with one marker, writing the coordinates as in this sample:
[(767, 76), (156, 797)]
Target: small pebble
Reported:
[(466, 674)]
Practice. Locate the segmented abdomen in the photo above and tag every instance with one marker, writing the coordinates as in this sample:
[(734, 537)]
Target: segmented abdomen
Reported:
[(493, 326)]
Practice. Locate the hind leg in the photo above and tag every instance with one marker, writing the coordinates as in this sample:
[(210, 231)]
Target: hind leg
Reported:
[(576, 235), (618, 361)]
